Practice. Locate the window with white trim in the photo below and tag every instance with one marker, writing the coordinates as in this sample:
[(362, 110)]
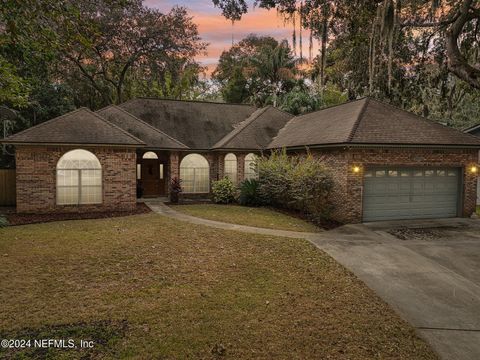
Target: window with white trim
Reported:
[(195, 174), (250, 171), (79, 178), (149, 155), (230, 169)]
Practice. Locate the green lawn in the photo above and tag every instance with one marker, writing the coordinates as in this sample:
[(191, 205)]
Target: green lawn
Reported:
[(150, 287), (243, 215)]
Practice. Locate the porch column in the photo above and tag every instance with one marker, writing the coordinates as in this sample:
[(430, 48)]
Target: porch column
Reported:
[(240, 167), (214, 166), (174, 167), (221, 165)]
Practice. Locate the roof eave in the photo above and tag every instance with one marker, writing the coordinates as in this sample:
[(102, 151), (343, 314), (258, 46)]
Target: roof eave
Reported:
[(471, 128), (164, 148), (20, 143), (379, 145)]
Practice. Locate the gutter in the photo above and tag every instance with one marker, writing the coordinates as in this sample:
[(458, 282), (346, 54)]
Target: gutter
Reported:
[(347, 146), (71, 144)]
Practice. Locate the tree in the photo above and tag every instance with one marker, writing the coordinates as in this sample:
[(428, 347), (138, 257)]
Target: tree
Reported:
[(110, 42), (240, 55), (275, 67), (455, 22), (14, 90), (257, 70), (235, 89), (100, 49)]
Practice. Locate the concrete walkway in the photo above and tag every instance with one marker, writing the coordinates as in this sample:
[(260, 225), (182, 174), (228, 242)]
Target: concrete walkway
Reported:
[(162, 209), (432, 282)]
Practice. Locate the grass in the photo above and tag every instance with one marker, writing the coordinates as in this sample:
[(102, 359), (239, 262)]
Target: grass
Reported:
[(478, 209), (150, 287), (243, 215)]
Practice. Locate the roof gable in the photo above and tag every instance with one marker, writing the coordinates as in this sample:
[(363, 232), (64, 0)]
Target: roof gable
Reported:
[(199, 125), (332, 125), (81, 126), (382, 123), (257, 131), (152, 137)]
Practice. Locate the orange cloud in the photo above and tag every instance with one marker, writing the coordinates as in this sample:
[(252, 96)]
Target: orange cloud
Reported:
[(217, 31)]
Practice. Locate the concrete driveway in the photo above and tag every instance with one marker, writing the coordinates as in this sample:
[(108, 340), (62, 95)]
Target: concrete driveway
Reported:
[(429, 271)]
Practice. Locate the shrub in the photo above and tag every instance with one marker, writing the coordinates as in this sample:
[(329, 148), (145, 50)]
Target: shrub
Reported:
[(249, 195), (295, 182), (3, 221), (223, 191), (175, 189), (274, 179), (310, 189)]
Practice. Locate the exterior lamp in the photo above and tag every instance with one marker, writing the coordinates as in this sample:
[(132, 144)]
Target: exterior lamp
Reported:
[(473, 169), (356, 169)]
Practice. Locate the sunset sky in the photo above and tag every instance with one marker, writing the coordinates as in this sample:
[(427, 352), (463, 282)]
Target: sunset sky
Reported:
[(217, 31)]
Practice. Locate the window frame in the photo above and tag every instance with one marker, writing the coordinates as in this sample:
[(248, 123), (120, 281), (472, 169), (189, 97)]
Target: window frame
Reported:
[(232, 175), (150, 155), (80, 187), (193, 182), (248, 172)]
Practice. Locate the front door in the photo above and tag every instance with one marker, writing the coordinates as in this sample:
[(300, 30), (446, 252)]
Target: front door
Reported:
[(153, 177)]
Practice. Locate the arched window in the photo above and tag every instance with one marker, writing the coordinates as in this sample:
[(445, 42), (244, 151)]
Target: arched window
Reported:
[(230, 169), (195, 174), (79, 178), (250, 172), (149, 155)]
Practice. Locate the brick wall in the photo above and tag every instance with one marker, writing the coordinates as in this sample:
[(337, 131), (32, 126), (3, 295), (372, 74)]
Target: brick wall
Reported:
[(347, 193), (240, 164), (36, 179)]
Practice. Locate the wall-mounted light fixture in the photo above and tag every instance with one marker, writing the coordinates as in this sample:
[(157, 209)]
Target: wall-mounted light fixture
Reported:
[(474, 169), (356, 169)]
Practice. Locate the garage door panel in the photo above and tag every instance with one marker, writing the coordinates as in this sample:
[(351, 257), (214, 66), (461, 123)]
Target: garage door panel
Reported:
[(409, 193), (387, 201)]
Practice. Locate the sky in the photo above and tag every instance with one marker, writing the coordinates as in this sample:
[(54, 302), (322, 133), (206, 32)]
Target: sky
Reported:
[(217, 31)]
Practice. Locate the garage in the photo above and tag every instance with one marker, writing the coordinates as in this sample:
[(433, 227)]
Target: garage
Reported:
[(410, 193)]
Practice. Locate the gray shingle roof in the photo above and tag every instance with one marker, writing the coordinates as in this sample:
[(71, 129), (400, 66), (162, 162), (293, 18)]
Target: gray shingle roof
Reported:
[(153, 137), (199, 125), (367, 121), (80, 126), (257, 131), (473, 130)]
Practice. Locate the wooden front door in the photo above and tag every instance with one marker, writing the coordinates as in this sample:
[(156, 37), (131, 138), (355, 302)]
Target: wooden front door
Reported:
[(153, 177)]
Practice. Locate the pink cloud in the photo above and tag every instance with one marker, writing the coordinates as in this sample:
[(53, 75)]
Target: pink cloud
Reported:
[(217, 31)]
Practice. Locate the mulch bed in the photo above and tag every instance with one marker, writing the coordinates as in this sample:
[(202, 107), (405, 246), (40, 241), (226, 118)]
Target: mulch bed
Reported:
[(324, 224), (432, 233), (23, 219)]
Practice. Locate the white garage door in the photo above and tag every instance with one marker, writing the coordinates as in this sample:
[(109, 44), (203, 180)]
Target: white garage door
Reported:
[(410, 193)]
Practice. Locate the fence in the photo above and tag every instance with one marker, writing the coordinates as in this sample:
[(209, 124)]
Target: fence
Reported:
[(7, 187)]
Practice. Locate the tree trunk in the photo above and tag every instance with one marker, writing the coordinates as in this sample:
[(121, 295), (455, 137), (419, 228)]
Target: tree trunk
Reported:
[(324, 52), (457, 63), (119, 93)]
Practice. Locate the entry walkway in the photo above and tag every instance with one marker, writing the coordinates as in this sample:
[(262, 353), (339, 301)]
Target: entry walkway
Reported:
[(160, 208)]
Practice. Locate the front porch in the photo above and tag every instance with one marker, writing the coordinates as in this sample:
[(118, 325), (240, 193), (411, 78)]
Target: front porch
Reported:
[(156, 168)]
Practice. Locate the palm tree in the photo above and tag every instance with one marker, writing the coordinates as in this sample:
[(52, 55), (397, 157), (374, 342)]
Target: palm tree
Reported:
[(275, 65)]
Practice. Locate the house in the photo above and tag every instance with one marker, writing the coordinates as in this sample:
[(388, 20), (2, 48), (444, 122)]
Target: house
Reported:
[(386, 163), (475, 130)]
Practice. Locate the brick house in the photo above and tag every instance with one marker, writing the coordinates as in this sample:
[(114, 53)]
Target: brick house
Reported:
[(475, 130), (386, 163)]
